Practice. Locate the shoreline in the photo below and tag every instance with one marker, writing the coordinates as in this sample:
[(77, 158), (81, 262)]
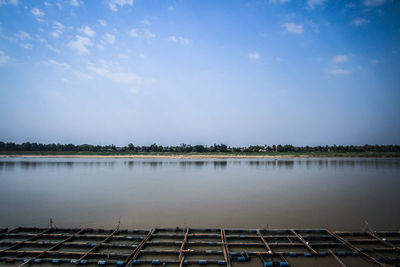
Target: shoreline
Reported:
[(196, 156)]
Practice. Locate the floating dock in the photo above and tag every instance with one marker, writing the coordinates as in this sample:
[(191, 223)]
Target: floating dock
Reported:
[(25, 246)]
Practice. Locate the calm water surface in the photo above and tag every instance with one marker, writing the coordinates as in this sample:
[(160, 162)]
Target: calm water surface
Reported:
[(340, 194)]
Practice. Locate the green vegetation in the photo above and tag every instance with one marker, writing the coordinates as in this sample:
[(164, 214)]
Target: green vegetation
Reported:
[(187, 150)]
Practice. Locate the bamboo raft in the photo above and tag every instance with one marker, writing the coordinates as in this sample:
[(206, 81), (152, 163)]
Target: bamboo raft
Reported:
[(24, 246)]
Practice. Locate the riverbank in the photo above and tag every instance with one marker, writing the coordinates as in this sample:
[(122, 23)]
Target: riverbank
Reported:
[(49, 154)]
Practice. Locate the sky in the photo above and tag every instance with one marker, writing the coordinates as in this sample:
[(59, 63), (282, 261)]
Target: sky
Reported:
[(310, 72)]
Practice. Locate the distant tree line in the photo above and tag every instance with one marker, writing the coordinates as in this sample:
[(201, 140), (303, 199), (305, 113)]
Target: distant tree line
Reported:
[(184, 148)]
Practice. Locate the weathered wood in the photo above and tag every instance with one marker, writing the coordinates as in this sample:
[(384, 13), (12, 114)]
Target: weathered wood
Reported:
[(353, 248), (337, 259), (303, 241), (225, 248), (19, 244), (378, 238), (264, 241), (137, 250), (99, 244), (55, 247), (183, 245)]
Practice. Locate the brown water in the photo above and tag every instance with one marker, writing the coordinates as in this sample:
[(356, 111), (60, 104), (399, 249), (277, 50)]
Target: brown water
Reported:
[(340, 194)]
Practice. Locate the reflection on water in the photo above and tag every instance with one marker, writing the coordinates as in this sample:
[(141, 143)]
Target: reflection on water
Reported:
[(340, 193), (7, 164)]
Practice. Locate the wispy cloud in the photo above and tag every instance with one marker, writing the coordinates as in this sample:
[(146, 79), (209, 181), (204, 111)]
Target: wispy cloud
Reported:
[(9, 2), (372, 3), (3, 58), (145, 22), (102, 22), (57, 64), (254, 56), (80, 45), (144, 34), (23, 36), (115, 4), (279, 1), (294, 28), (86, 30), (171, 8), (74, 2), (340, 59), (359, 22), (112, 71), (27, 46), (339, 72), (57, 29), (109, 38), (180, 39), (314, 3), (37, 12), (107, 70)]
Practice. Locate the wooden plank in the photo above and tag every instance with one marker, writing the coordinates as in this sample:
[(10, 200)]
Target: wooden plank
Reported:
[(337, 259), (225, 248), (353, 248), (376, 237), (264, 241), (303, 241), (19, 244), (136, 251), (55, 247), (183, 245), (99, 244)]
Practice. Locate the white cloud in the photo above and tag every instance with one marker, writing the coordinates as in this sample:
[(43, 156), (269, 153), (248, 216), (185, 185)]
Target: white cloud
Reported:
[(375, 61), (111, 71), (339, 72), (171, 8), (52, 48), (9, 2), (372, 3), (57, 29), (313, 3), (102, 22), (58, 64), (109, 38), (145, 34), (23, 36), (3, 58), (359, 22), (27, 46), (74, 2), (87, 31), (37, 12), (180, 39), (294, 28), (254, 56), (279, 1), (340, 59), (47, 3), (145, 22), (114, 3), (80, 45)]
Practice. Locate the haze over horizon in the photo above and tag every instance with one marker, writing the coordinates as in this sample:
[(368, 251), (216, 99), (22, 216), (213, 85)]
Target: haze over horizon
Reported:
[(310, 72)]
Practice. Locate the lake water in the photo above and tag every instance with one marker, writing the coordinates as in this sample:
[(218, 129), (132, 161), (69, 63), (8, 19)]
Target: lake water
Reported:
[(338, 193)]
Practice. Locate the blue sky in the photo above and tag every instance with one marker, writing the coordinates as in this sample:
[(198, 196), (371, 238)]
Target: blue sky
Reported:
[(201, 72)]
